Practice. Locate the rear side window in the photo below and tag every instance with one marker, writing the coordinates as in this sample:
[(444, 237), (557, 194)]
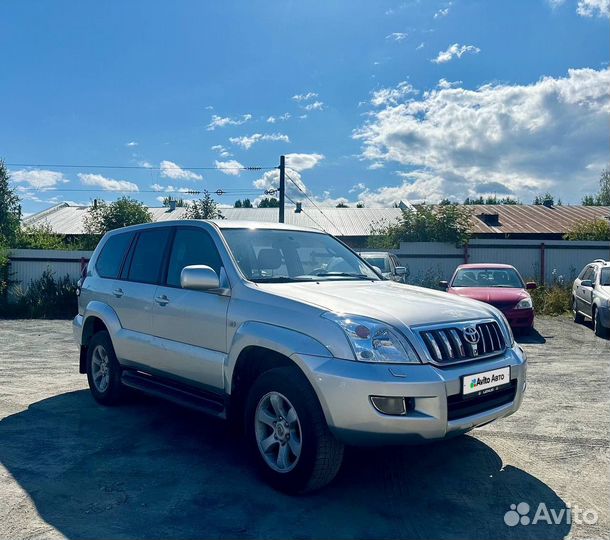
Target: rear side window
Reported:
[(109, 262), (191, 246), (148, 256)]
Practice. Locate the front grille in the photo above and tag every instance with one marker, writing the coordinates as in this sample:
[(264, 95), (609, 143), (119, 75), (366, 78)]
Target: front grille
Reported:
[(460, 407), (503, 306), (447, 345)]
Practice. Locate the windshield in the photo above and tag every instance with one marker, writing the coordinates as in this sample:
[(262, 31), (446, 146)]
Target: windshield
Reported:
[(604, 278), (487, 277), (379, 262), (267, 256)]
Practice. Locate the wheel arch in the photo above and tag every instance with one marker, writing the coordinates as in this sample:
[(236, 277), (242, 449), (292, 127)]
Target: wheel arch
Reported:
[(97, 317)]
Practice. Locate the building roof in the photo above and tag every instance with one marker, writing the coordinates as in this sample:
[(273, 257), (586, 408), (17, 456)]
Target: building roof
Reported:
[(66, 219), (350, 222), (532, 219)]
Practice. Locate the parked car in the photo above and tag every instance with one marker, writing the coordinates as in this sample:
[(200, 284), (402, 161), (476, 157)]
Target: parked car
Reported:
[(388, 264), (248, 322), (591, 296), (499, 285)]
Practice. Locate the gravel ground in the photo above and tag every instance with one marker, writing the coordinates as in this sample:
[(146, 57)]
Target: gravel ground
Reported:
[(71, 468)]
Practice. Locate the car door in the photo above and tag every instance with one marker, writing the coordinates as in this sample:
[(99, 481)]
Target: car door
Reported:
[(190, 325), (139, 279), (585, 294)]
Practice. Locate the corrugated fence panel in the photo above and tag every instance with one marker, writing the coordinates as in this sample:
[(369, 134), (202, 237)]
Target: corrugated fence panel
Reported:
[(428, 260), (28, 265)]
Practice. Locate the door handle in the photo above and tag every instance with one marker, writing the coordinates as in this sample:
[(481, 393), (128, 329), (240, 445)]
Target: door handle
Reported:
[(162, 300), (118, 293)]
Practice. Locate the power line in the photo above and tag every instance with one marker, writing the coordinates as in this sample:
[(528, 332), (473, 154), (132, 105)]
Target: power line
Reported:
[(176, 167), (219, 192), (310, 199), (310, 217)]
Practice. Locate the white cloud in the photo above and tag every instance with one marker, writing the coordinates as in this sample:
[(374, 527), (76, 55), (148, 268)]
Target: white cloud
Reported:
[(591, 8), (38, 178), (220, 121), (441, 13), (315, 106), (397, 36), (305, 97), (527, 138), (455, 50), (247, 141), (107, 184), (145, 164), (444, 83), (391, 96), (132, 143), (302, 162), (360, 186), (420, 46), (231, 167), (280, 118), (169, 169), (222, 151)]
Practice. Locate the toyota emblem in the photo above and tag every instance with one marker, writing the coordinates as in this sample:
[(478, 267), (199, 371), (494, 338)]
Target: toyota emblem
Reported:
[(471, 334)]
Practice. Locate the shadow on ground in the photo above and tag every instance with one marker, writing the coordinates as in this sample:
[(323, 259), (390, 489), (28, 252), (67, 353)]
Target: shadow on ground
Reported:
[(152, 470), (532, 336)]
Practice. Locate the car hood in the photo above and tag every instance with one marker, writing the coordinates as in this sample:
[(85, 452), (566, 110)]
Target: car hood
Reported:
[(388, 301), (491, 294)]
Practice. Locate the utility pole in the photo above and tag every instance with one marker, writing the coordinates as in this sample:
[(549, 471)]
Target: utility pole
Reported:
[(282, 186)]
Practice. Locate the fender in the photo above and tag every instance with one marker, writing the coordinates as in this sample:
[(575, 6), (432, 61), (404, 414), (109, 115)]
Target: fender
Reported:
[(277, 338), (103, 312)]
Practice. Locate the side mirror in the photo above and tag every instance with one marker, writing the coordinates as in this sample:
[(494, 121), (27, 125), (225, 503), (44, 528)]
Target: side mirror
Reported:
[(531, 285), (199, 277), (400, 270), (586, 283), (444, 284)]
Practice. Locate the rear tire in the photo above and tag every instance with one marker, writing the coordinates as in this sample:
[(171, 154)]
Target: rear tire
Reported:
[(104, 370), (600, 331), (281, 401), (578, 318)]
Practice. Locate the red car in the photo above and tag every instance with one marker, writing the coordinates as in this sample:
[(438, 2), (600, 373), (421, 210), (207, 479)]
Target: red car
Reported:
[(499, 285)]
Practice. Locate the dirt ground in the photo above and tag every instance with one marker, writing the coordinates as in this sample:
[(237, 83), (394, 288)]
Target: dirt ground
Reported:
[(72, 468)]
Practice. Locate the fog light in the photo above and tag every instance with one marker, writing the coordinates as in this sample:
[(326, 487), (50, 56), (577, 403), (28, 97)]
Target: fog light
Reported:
[(395, 406)]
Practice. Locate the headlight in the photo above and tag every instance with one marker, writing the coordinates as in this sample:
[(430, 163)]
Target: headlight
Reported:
[(374, 341), (526, 303)]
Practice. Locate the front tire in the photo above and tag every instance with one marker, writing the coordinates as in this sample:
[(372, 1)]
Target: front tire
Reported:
[(287, 433), (103, 370), (600, 331), (578, 318)]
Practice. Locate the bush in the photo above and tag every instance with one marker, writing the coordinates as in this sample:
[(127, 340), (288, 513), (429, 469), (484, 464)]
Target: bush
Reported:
[(45, 298), (554, 298)]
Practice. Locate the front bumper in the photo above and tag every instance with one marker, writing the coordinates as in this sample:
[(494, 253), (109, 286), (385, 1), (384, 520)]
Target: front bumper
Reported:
[(519, 318), (344, 389)]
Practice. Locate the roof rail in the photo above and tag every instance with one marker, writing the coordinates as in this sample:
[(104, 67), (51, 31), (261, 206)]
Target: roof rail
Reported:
[(600, 260)]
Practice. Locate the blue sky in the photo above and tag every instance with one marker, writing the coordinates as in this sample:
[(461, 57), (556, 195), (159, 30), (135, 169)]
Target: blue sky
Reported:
[(370, 101)]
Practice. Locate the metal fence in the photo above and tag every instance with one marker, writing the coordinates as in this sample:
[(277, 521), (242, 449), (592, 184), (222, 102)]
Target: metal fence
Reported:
[(27, 265), (427, 262), (540, 261)]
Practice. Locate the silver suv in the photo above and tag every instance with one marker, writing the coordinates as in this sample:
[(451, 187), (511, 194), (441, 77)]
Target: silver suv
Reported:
[(591, 296), (290, 335), (387, 263)]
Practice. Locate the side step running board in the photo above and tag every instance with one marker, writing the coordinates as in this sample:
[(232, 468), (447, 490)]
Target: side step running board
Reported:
[(193, 399)]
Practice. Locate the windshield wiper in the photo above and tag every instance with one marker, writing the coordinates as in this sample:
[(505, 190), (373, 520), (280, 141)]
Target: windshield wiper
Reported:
[(344, 274)]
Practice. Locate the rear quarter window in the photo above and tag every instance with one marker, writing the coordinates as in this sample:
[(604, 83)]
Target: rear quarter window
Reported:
[(108, 264)]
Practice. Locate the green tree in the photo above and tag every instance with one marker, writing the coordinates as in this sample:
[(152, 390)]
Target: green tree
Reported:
[(442, 223), (41, 237), (341, 205), (269, 202), (204, 208), (546, 199), (237, 204), (360, 204), (596, 229), (491, 199), (603, 197), (246, 203), (179, 202), (103, 217), (10, 210)]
